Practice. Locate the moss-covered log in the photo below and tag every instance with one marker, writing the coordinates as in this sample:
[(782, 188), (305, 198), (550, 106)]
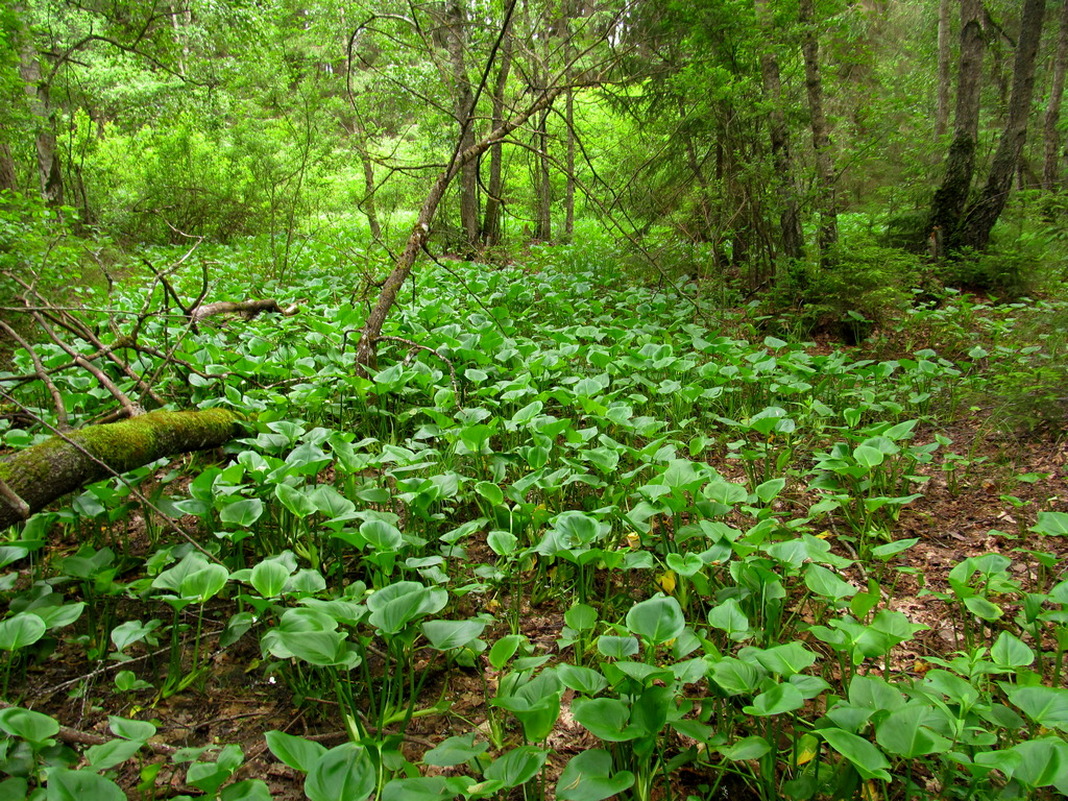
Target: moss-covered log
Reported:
[(40, 474)]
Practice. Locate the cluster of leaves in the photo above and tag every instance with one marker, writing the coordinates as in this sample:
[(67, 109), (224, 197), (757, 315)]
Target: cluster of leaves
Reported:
[(713, 518)]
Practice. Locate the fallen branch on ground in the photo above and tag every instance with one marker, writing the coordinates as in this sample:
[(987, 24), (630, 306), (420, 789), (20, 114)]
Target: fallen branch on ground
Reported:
[(40, 474), (247, 308)]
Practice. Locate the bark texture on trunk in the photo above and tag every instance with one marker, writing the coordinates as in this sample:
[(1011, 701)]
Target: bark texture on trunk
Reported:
[(8, 175), (779, 135), (827, 202), (464, 101), (543, 222), (952, 196), (1051, 167), (49, 169), (34, 477), (491, 225), (944, 80), (980, 217)]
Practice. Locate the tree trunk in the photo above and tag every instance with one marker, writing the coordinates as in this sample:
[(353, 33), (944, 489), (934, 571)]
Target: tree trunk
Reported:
[(8, 176), (32, 478), (952, 196), (981, 216), (543, 221), (456, 25), (365, 348), (779, 134), (491, 226), (821, 141), (944, 78), (1051, 166), (569, 166), (48, 163)]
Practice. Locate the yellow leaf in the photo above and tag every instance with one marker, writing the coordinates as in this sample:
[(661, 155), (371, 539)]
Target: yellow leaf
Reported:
[(807, 749), (870, 792), (667, 582)]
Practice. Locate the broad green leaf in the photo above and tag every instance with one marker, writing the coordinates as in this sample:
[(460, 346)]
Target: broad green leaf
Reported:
[(30, 726), (298, 753), (868, 456), (778, 699), (657, 620), (869, 761), (753, 747), (344, 772), (517, 766), (1045, 705), (269, 578), (1052, 523), (1010, 652), (242, 513), (455, 751), (588, 776), (616, 647), (906, 732), (827, 584), (81, 785), (444, 635), (131, 729), (247, 790), (418, 788), (21, 630), (606, 718), (112, 753), (297, 500)]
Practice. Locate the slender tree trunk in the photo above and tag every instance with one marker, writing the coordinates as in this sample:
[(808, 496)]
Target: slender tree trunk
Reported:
[(821, 141), (49, 169), (944, 78), (464, 111), (981, 216), (569, 188), (367, 204), (491, 226), (543, 228), (1051, 166), (365, 348), (8, 175), (779, 134), (952, 196)]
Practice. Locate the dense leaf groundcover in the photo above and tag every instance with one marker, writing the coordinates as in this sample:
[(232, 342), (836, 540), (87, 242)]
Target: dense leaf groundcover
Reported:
[(574, 538)]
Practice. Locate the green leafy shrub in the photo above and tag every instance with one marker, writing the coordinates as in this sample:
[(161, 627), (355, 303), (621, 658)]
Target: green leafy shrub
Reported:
[(866, 286)]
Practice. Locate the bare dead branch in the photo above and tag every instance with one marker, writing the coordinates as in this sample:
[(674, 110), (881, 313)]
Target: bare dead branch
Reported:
[(247, 308)]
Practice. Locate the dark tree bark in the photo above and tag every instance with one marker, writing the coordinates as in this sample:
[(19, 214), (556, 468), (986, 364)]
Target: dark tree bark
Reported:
[(980, 217), (543, 221), (952, 196), (463, 109), (49, 167), (8, 175), (779, 134), (944, 78), (1051, 166), (491, 226), (827, 203), (32, 478)]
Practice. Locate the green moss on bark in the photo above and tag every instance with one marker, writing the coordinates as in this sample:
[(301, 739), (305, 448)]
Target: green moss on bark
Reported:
[(47, 471)]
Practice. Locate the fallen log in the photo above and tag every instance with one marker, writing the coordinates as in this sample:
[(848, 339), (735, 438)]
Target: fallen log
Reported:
[(246, 308), (32, 478)]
